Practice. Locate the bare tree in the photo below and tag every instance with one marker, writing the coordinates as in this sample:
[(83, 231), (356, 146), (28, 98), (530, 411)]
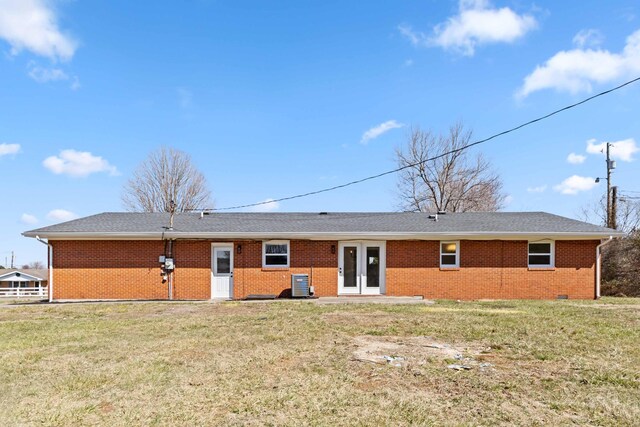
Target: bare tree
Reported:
[(627, 213), (37, 265), (166, 175), (453, 182), (620, 258)]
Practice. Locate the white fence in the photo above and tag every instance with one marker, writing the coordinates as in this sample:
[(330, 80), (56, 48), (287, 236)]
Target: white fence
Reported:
[(39, 292)]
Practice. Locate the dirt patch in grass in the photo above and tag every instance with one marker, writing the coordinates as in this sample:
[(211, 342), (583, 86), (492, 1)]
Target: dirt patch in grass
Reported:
[(407, 351)]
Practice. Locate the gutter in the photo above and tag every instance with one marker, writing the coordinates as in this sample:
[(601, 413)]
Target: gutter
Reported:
[(50, 287), (458, 235), (599, 264)]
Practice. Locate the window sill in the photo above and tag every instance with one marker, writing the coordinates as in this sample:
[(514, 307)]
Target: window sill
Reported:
[(541, 269), (449, 268), (283, 268)]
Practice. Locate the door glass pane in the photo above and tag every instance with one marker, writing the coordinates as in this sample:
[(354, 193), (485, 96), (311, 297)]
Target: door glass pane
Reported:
[(373, 267), (350, 266), (223, 261)]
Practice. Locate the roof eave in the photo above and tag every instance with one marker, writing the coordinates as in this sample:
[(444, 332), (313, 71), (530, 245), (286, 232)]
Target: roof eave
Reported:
[(479, 235), (31, 276)]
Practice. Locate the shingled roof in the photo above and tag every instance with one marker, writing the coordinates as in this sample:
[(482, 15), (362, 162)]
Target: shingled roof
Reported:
[(310, 225), (38, 273)]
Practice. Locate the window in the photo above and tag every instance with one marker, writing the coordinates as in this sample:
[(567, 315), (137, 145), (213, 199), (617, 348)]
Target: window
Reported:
[(541, 254), (275, 254), (449, 254)]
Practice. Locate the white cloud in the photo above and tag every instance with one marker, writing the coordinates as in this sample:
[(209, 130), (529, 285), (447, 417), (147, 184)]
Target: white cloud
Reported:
[(408, 62), (575, 184), (620, 150), (576, 159), (267, 205), (78, 163), (185, 97), (75, 83), (539, 189), (588, 38), (32, 25), (51, 74), (576, 70), (415, 37), (378, 130), (28, 219), (6, 149), (44, 75), (61, 215), (477, 23)]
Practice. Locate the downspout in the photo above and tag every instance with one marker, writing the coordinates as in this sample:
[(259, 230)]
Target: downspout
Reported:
[(50, 287), (599, 264), (172, 270)]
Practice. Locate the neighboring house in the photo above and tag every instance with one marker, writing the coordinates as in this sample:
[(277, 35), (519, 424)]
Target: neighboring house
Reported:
[(498, 255), (23, 283), (23, 278)]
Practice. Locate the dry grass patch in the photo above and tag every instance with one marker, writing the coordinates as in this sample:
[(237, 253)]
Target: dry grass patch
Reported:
[(292, 363)]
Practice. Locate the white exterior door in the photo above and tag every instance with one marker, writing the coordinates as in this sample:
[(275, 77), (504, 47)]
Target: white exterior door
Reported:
[(222, 271), (361, 268)]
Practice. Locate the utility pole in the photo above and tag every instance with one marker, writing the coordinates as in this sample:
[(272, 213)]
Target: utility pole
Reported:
[(12, 257), (608, 188), (614, 207), (611, 165)]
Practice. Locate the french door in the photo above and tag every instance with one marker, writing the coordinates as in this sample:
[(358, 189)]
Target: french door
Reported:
[(361, 268)]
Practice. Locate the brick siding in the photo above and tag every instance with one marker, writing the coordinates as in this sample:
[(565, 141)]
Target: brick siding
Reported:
[(488, 269)]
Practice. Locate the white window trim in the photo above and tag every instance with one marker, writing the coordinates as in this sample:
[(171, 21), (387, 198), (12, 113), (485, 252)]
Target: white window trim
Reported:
[(552, 258), (457, 265), (275, 242)]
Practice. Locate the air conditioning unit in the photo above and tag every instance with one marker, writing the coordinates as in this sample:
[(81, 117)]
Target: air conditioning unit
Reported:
[(300, 285)]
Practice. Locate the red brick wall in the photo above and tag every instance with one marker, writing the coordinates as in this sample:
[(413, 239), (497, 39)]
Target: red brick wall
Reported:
[(306, 257), (129, 270), (488, 269), (192, 277)]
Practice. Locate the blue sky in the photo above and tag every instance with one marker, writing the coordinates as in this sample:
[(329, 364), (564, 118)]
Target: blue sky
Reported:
[(277, 98)]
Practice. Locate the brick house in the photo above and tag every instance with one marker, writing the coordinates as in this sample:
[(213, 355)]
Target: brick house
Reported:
[(497, 255)]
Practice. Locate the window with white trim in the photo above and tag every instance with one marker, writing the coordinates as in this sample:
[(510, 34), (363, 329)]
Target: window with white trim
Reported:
[(275, 253), (449, 254), (541, 254)]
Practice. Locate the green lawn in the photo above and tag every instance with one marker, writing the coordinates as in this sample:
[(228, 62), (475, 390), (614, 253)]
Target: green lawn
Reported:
[(292, 363)]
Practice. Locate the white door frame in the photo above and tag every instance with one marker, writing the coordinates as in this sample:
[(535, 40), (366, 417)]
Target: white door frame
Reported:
[(361, 268), (214, 273)]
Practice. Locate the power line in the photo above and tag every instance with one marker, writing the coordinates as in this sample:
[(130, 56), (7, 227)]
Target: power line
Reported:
[(369, 178)]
